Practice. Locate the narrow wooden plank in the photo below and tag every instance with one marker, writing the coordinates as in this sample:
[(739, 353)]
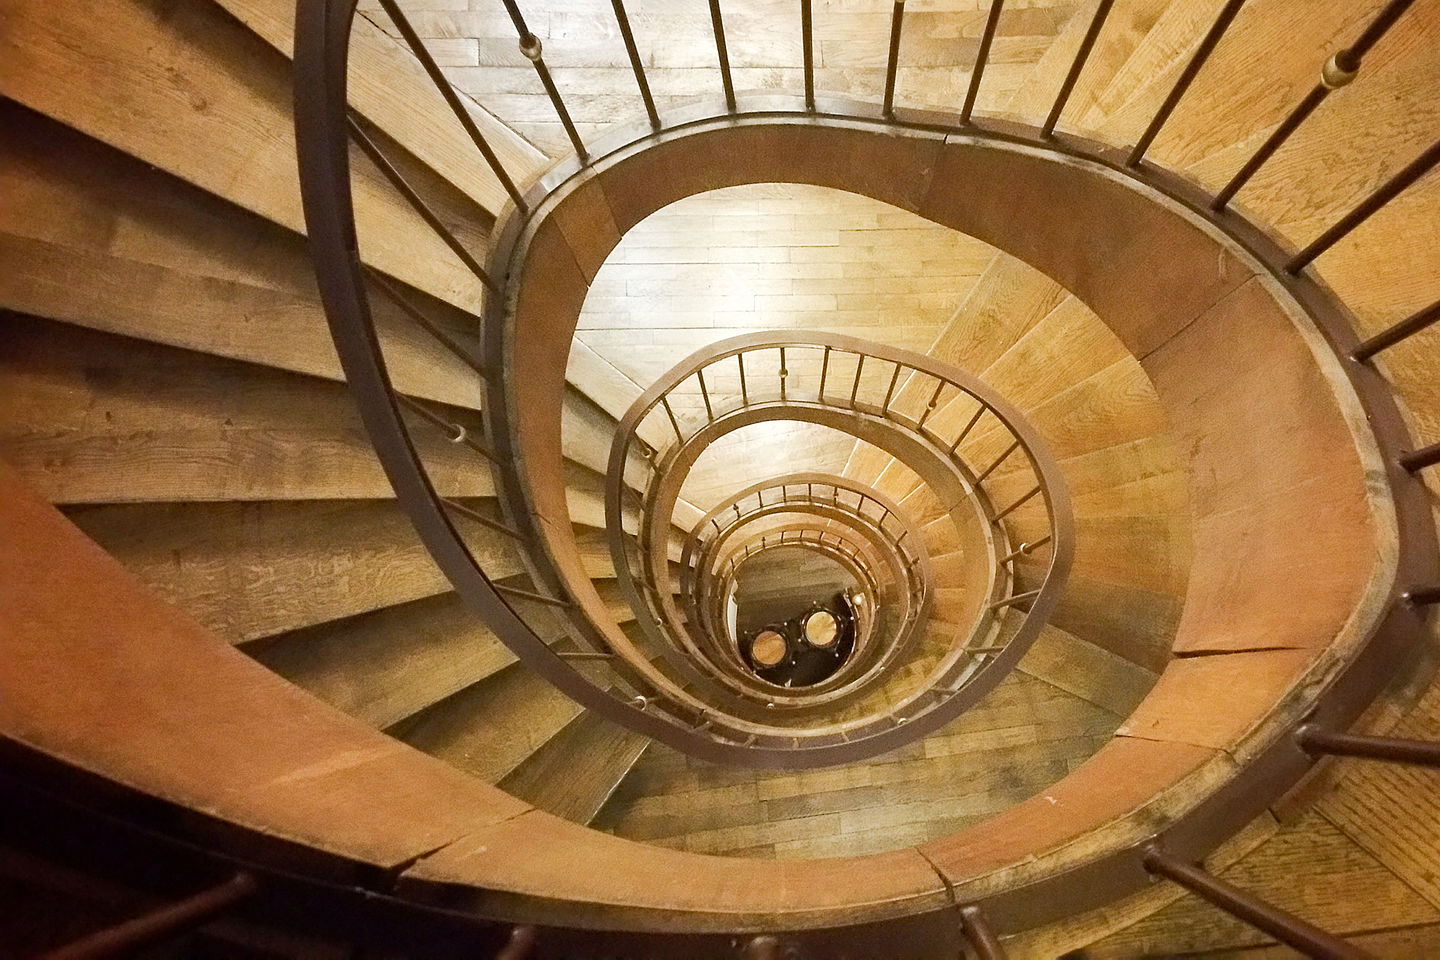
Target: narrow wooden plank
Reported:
[(384, 666), (94, 418), (188, 89), (388, 87), (489, 728), (578, 769), (1088, 671)]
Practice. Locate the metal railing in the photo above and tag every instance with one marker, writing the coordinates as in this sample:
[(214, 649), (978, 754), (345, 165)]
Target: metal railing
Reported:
[(322, 116), (972, 438)]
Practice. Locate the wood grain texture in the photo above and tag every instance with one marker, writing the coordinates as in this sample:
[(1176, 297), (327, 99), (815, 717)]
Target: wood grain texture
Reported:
[(94, 418), (186, 88), (384, 666), (576, 771)]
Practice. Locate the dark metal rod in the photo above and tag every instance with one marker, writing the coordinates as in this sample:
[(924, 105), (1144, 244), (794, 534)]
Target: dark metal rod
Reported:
[(998, 460), (1413, 171), (859, 366), (744, 391), (481, 519), (622, 18), (1081, 55), (437, 77), (1025, 549), (160, 924), (531, 49), (1283, 926), (892, 66), (1313, 740), (528, 595), (890, 391), (1010, 509), (1187, 77), (824, 372), (981, 56), (930, 406), (1408, 327), (717, 23), (784, 374), (586, 655), (968, 427), (1422, 458), (377, 157), (705, 395), (1339, 71), (424, 322), (1018, 598), (807, 46), (1272, 143), (1423, 596), (665, 402), (460, 436), (977, 930)]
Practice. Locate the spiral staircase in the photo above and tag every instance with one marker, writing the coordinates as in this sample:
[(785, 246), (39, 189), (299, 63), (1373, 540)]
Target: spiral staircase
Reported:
[(396, 405)]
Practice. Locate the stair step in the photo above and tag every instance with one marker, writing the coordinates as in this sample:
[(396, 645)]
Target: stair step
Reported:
[(576, 771)]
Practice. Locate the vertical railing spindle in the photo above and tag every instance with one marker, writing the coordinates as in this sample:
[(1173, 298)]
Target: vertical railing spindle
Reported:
[(437, 77), (623, 19), (717, 24), (1406, 328), (1187, 77), (1338, 71), (1081, 55), (981, 57), (532, 50), (892, 66), (807, 46)]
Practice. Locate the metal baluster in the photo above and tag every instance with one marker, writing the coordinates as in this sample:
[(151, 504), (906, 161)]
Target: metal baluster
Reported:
[(897, 18), (398, 181), (784, 373), (1187, 76), (824, 372), (859, 366), (718, 25), (705, 395), (1016, 505), (1413, 171), (1283, 926), (1422, 596), (530, 595), (744, 391), (160, 924), (1083, 54), (968, 427), (1314, 740), (481, 519), (1025, 549), (999, 460), (665, 402), (1408, 327), (623, 19), (1012, 601), (456, 432), (1422, 458), (1338, 71), (930, 407), (977, 931), (437, 77), (424, 322), (807, 46), (532, 50), (981, 56), (890, 391)]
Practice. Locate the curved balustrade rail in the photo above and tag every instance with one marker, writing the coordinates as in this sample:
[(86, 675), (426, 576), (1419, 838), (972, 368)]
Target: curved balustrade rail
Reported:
[(323, 28), (854, 523), (947, 417)]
